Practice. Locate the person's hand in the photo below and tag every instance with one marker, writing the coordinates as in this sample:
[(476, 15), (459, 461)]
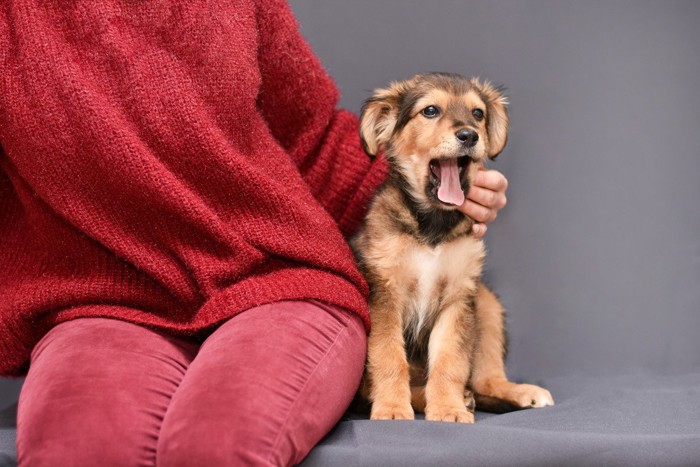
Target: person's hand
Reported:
[(485, 198)]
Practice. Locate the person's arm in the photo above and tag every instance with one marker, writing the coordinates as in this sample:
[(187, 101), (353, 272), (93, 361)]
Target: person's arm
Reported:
[(298, 100)]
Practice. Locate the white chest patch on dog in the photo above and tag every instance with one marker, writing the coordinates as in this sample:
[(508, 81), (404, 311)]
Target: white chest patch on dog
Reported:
[(439, 273)]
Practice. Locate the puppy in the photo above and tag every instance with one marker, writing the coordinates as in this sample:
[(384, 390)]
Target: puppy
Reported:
[(437, 330)]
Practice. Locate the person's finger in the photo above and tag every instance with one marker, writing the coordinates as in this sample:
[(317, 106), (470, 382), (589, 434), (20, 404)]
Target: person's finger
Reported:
[(491, 179), (479, 230), (485, 197), (478, 212)]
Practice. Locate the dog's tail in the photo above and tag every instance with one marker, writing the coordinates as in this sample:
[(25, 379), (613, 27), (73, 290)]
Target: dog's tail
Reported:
[(494, 405)]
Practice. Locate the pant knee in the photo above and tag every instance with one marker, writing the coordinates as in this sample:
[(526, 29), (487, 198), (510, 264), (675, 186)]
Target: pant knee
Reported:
[(267, 400), (96, 393)]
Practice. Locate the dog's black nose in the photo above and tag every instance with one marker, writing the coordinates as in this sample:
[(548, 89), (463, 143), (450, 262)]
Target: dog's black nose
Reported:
[(469, 137)]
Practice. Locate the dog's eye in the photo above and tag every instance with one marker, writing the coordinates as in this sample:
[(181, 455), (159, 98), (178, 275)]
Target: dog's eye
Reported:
[(478, 114), (431, 111)]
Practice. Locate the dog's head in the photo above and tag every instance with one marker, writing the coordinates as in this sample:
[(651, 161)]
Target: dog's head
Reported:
[(433, 129)]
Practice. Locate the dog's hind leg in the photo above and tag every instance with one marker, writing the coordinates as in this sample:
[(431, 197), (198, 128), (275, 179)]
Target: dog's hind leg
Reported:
[(418, 398), (489, 376)]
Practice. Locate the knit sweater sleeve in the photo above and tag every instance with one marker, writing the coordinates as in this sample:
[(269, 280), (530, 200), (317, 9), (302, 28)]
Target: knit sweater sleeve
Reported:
[(298, 100)]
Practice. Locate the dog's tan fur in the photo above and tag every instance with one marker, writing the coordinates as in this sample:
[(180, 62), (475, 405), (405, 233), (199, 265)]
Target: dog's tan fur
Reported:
[(436, 328)]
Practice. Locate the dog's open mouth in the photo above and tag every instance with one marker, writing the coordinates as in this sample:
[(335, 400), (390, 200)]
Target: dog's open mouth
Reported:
[(446, 179)]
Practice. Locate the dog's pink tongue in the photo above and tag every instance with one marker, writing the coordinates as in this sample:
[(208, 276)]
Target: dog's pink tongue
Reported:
[(450, 190)]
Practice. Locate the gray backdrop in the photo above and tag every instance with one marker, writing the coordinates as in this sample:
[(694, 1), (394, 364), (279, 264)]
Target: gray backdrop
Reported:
[(597, 255)]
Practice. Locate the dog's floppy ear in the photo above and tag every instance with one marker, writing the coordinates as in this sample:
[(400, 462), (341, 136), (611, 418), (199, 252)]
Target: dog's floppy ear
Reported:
[(378, 119), (496, 117)]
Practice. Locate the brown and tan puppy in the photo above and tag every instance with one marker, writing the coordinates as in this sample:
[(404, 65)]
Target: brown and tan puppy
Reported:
[(437, 330)]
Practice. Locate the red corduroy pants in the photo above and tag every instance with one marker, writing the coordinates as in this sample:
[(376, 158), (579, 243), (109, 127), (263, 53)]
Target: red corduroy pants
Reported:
[(262, 389)]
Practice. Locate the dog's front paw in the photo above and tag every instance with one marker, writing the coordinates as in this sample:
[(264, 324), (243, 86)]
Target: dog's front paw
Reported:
[(449, 414), (391, 412), (529, 395)]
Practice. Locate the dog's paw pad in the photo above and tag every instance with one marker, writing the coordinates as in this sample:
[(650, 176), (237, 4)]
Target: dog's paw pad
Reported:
[(533, 396), (392, 413), (458, 415)]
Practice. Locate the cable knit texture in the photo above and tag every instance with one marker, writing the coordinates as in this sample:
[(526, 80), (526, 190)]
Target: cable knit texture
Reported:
[(170, 164)]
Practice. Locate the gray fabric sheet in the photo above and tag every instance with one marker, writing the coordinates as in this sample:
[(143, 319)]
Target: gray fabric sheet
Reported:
[(626, 420), (7, 435), (632, 420)]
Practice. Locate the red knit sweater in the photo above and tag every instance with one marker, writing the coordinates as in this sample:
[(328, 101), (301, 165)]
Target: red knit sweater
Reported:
[(170, 164)]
